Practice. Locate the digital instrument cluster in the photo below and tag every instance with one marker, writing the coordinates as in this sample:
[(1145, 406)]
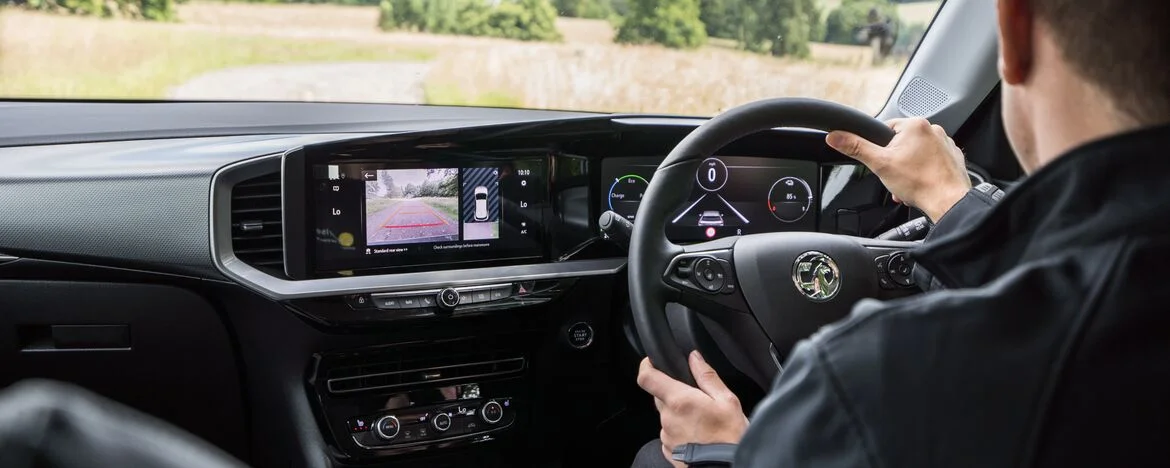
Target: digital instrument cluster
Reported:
[(730, 196)]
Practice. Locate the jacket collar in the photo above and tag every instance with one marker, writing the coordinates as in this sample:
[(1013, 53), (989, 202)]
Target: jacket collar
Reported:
[(1109, 189)]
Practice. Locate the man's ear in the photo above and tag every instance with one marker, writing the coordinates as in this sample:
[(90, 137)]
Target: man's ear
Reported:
[(1015, 40)]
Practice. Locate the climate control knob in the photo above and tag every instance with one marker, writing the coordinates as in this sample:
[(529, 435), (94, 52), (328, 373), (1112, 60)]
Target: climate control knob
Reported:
[(491, 412), (441, 422), (386, 428)]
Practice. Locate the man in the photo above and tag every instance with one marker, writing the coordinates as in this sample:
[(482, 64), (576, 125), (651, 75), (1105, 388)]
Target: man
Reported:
[(1051, 344)]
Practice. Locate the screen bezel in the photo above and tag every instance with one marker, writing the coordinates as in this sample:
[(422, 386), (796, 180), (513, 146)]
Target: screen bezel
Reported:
[(299, 206)]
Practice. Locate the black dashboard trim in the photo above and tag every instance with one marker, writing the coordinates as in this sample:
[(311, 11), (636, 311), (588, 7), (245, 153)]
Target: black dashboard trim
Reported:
[(292, 214)]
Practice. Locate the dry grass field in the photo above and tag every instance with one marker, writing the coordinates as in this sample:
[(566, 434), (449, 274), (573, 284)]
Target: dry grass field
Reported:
[(56, 56)]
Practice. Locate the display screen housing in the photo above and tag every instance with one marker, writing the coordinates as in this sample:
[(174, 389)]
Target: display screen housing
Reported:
[(408, 213)]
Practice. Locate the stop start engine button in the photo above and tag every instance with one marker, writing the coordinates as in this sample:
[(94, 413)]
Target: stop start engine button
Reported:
[(580, 335)]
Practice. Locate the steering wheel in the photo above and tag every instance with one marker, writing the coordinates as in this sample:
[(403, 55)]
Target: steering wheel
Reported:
[(790, 283)]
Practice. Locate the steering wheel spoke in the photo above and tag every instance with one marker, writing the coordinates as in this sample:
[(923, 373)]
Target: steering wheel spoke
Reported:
[(703, 278)]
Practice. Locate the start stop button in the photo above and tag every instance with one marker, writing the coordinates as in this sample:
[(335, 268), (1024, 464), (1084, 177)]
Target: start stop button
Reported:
[(580, 335)]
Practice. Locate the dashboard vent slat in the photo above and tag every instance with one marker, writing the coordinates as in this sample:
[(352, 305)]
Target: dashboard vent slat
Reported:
[(424, 365), (257, 237), (426, 375)]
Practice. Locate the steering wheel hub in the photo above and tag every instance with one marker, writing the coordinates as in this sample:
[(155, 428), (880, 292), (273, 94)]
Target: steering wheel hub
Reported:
[(816, 276)]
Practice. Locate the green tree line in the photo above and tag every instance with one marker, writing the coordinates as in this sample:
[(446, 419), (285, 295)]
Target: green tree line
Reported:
[(775, 27), (154, 10), (526, 20)]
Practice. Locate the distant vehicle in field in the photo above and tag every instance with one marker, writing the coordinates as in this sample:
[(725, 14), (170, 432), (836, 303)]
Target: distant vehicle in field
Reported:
[(481, 208), (711, 218), (880, 34)]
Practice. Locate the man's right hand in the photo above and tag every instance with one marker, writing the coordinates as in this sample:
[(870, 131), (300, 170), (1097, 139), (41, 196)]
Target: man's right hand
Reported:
[(921, 166)]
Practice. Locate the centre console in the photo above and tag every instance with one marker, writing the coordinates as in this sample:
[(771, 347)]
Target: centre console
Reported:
[(415, 396)]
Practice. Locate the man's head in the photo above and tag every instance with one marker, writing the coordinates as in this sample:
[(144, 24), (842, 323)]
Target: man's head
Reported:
[(1076, 70)]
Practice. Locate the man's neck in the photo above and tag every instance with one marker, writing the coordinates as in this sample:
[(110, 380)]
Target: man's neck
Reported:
[(1070, 111)]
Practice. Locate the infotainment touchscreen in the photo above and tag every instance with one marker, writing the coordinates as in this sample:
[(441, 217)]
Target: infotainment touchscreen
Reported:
[(376, 215)]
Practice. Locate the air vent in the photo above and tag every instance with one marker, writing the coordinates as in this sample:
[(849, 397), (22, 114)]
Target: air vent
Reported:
[(422, 365), (256, 224)]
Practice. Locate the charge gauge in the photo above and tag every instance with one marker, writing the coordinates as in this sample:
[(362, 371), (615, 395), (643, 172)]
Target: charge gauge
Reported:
[(625, 195), (789, 199)]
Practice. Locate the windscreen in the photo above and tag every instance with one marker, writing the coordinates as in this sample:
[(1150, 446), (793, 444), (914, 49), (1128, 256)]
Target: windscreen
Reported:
[(686, 57)]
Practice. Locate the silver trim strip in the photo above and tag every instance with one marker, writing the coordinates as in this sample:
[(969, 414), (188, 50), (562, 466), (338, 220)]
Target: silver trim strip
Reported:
[(482, 288), (280, 289), (427, 292), (329, 383)]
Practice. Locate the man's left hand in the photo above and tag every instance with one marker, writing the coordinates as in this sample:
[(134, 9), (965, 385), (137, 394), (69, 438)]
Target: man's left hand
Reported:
[(710, 414)]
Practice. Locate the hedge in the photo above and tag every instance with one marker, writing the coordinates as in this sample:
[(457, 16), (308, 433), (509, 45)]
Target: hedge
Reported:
[(155, 10), (526, 20), (843, 23), (672, 23)]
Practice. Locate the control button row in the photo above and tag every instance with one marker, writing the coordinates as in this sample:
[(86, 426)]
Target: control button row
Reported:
[(483, 294), (447, 298), (392, 302)]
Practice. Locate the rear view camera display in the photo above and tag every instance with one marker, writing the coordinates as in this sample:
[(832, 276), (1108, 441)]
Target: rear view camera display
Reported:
[(481, 203), (406, 214), (405, 206)]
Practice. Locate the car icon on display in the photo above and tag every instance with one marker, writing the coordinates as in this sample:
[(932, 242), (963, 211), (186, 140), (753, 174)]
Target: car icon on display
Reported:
[(481, 208), (711, 218)]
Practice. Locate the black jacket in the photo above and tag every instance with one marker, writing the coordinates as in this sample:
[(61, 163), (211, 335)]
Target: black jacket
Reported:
[(1050, 347)]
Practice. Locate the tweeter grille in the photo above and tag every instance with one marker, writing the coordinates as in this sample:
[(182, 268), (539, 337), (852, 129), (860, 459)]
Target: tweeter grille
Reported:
[(921, 99)]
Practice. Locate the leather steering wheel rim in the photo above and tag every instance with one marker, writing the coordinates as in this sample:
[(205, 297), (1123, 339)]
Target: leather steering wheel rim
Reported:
[(651, 251)]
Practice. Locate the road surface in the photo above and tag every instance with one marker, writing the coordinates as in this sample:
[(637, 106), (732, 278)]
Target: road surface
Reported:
[(408, 222), (392, 82)]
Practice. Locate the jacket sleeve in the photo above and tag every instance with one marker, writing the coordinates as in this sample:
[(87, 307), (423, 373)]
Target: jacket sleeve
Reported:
[(978, 201), (804, 421)]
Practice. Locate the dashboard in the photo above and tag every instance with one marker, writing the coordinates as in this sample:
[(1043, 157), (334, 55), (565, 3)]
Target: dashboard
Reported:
[(409, 294)]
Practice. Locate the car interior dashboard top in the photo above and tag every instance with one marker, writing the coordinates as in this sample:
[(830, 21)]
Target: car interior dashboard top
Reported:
[(391, 295)]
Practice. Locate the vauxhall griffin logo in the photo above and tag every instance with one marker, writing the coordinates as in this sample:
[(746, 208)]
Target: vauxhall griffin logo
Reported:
[(816, 276)]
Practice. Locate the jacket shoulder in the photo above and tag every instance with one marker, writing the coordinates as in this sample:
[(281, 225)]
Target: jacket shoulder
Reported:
[(958, 371)]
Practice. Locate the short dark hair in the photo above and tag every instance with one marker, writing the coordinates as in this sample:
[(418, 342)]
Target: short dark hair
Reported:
[(1122, 46)]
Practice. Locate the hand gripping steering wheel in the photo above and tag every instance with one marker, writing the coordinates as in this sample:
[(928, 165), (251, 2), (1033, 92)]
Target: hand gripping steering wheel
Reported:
[(791, 283)]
